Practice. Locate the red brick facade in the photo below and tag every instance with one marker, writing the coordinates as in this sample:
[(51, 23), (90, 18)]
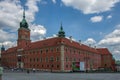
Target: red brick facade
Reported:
[(56, 54), (61, 50), (23, 37)]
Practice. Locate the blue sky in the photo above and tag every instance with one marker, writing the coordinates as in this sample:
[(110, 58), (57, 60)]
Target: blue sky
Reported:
[(95, 22), (75, 23)]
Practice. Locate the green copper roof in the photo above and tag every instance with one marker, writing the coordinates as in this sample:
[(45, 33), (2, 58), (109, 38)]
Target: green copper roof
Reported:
[(23, 23), (61, 32), (2, 48)]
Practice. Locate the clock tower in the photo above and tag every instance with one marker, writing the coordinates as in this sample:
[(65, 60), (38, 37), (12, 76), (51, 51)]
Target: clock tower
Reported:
[(23, 33)]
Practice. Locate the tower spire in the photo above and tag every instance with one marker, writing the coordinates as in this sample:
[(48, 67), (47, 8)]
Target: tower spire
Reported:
[(23, 23), (2, 48), (24, 12), (61, 28), (61, 32)]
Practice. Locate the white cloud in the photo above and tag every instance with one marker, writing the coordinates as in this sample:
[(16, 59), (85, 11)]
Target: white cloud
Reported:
[(112, 41), (90, 41), (8, 17), (4, 36), (96, 19), (32, 9), (54, 1), (91, 6), (37, 32), (8, 44), (71, 38), (11, 13), (118, 26), (112, 38), (109, 16)]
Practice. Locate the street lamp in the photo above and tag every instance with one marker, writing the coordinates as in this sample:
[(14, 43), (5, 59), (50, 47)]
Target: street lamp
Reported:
[(51, 60)]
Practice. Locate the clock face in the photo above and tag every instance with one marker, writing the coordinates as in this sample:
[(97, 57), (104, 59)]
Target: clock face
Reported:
[(26, 33)]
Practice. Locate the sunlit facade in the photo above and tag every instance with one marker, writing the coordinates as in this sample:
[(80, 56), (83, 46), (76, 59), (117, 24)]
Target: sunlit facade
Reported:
[(56, 54)]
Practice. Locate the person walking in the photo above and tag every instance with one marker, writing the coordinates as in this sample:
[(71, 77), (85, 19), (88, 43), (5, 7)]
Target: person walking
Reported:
[(28, 71)]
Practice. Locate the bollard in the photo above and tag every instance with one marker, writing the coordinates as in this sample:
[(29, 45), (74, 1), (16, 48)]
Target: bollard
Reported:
[(1, 72)]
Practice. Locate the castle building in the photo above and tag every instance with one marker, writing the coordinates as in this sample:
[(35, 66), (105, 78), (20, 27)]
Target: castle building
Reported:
[(56, 54)]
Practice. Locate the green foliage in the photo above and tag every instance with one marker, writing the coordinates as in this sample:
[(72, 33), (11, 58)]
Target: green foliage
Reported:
[(118, 62)]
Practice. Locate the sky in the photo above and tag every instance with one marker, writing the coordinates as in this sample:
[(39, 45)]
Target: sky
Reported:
[(94, 22)]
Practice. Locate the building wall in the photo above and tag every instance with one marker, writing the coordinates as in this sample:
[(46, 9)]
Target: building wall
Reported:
[(62, 56), (92, 60), (23, 37), (107, 61), (62, 60), (9, 60), (35, 58), (41, 58)]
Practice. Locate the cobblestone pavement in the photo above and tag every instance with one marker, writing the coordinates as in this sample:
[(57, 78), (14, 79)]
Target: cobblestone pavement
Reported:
[(59, 76)]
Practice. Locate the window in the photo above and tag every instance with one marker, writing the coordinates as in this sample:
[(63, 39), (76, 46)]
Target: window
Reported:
[(33, 65), (41, 51), (74, 59), (37, 65), (79, 52), (34, 59), (33, 52), (20, 36), (40, 59), (52, 65), (42, 66), (37, 59), (46, 59), (57, 66), (66, 66), (48, 66), (51, 59), (30, 60), (66, 59), (74, 51), (57, 59), (51, 49), (46, 50), (66, 49), (57, 49)]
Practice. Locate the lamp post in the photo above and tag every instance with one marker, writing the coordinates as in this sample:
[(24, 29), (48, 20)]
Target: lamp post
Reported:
[(1, 72), (51, 60)]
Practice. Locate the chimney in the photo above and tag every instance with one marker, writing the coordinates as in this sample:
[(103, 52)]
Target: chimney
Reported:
[(44, 37), (95, 47), (89, 45), (80, 42), (70, 39)]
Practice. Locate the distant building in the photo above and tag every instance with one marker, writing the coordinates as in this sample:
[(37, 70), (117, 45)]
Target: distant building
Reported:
[(117, 66), (56, 54)]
